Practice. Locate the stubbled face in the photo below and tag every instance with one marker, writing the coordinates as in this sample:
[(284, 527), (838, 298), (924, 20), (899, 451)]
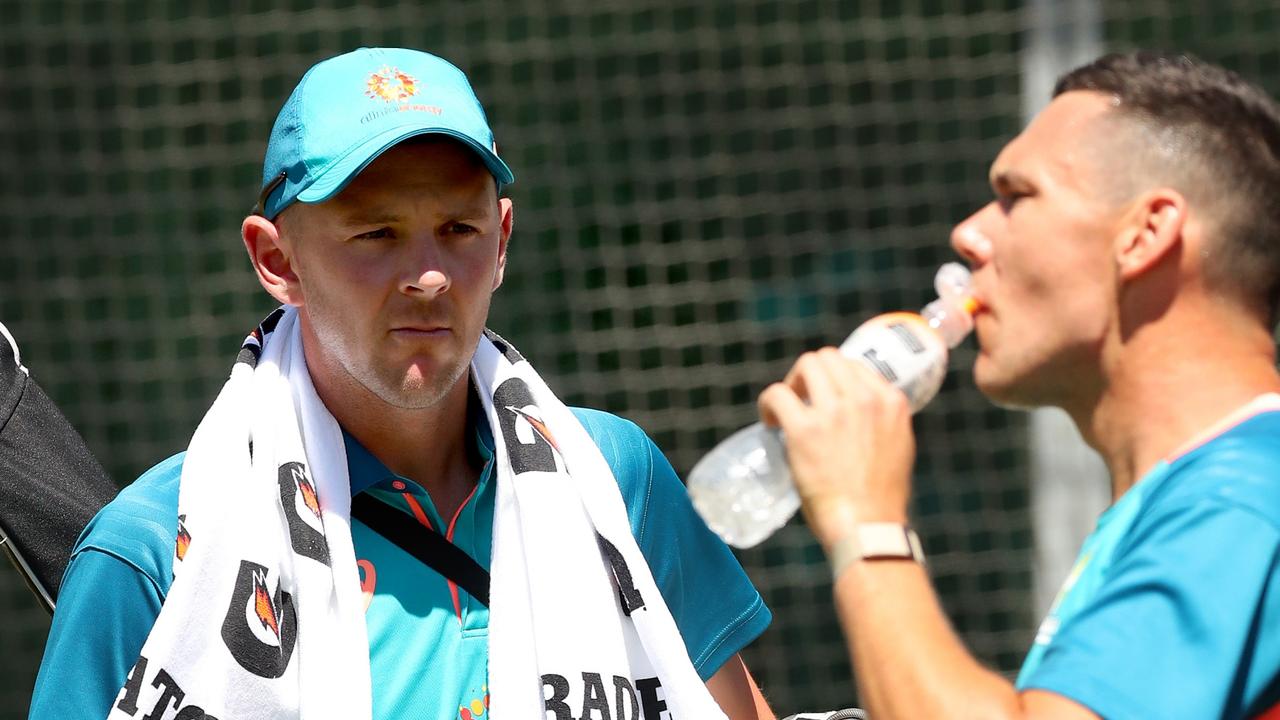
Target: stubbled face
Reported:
[(1041, 254), (396, 272)]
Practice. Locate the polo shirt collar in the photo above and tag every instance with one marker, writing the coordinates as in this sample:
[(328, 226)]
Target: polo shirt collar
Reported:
[(365, 470)]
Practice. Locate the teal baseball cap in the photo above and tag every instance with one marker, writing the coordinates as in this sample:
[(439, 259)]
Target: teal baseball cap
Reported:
[(349, 109)]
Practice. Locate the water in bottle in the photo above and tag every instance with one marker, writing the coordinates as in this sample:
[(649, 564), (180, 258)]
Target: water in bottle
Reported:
[(743, 488)]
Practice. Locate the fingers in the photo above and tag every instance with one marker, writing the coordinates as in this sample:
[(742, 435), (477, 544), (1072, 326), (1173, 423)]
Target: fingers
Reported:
[(849, 441), (780, 406), (818, 379), (840, 372), (828, 374), (819, 376), (821, 380), (810, 377)]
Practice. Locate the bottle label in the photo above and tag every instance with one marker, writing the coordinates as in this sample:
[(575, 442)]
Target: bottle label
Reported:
[(903, 349)]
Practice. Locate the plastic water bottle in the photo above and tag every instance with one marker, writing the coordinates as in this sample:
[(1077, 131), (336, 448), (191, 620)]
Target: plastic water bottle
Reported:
[(743, 488)]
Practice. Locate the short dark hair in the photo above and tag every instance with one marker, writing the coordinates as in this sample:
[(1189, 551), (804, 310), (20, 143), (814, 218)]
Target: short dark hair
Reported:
[(1225, 140)]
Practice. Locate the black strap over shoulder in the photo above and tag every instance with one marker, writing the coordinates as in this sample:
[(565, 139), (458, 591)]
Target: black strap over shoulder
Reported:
[(433, 550), (428, 546)]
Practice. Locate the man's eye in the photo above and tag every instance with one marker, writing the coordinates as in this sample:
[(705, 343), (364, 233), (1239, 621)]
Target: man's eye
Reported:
[(379, 234), (462, 229), (1008, 200)]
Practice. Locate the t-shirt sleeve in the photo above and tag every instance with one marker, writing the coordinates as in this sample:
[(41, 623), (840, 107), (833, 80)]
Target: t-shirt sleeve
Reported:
[(105, 611), (1179, 610), (111, 594), (714, 604)]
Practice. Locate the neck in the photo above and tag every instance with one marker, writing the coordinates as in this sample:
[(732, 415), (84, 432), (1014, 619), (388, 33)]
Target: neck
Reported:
[(1164, 390), (427, 445)]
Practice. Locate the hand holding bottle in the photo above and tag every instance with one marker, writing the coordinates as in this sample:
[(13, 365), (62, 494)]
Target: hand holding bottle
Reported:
[(743, 487), (849, 442)]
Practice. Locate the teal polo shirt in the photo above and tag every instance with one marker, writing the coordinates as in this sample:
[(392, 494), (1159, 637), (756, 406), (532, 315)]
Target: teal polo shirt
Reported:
[(413, 611), (428, 640), (1173, 608)]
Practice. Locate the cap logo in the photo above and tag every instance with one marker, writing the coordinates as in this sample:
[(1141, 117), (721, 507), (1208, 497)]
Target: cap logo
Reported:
[(391, 85)]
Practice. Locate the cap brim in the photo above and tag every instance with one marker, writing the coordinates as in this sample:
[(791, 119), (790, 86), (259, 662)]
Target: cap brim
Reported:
[(333, 179)]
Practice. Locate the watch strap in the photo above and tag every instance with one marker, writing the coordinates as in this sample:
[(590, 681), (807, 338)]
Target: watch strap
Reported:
[(875, 541)]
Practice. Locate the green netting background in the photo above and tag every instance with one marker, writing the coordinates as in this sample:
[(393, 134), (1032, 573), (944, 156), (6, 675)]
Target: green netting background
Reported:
[(706, 189)]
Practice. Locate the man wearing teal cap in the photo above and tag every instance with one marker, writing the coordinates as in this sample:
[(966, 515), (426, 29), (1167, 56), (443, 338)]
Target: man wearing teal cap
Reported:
[(380, 471)]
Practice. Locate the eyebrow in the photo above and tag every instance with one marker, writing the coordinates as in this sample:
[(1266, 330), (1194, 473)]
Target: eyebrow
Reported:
[(376, 216), (362, 216)]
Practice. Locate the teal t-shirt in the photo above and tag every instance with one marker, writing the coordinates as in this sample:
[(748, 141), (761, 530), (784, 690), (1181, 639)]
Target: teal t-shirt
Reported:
[(428, 640), (1173, 608)]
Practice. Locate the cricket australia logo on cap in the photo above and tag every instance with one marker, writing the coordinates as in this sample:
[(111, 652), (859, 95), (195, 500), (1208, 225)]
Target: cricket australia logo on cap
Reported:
[(391, 85)]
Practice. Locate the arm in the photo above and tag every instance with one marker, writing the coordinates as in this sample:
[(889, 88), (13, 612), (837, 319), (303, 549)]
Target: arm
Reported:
[(909, 662), (736, 692)]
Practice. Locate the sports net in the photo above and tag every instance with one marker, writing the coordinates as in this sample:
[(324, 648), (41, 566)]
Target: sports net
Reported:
[(706, 188)]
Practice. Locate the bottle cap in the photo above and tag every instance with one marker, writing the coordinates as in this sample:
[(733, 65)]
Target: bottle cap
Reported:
[(951, 315)]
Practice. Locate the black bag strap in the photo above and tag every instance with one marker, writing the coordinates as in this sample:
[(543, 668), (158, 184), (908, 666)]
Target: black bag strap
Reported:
[(428, 546), (50, 483)]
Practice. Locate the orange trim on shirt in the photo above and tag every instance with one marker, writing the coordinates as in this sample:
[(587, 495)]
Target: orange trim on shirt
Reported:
[(458, 513), (421, 514), (418, 512), (453, 586)]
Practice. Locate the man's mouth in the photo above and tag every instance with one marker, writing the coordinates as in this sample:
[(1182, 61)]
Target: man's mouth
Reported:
[(423, 331)]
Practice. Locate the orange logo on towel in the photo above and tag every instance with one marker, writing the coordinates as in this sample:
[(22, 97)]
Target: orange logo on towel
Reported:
[(391, 85), (184, 538), (308, 493), (538, 425), (262, 605)]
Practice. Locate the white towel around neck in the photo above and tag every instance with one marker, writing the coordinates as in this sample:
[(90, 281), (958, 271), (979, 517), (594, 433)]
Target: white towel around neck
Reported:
[(264, 619)]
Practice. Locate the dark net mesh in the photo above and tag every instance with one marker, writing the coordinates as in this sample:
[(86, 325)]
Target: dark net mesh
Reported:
[(706, 188)]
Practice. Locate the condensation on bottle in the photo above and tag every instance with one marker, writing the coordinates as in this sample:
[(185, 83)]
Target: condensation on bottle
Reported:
[(743, 489)]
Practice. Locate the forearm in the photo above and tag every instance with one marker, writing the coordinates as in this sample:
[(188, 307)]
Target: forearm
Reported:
[(737, 693), (908, 661)]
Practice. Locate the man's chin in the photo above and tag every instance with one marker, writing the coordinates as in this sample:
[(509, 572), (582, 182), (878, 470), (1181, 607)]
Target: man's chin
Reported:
[(411, 397), (1017, 393), (415, 392), (1011, 402), (1001, 391)]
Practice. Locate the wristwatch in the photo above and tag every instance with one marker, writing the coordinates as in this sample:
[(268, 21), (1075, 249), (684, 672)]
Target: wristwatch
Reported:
[(875, 541)]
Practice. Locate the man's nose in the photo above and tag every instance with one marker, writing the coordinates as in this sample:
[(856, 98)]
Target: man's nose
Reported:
[(427, 275), (969, 241)]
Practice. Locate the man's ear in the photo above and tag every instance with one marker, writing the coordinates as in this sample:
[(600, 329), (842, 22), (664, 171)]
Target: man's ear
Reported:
[(506, 212), (1150, 231), (272, 259)]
